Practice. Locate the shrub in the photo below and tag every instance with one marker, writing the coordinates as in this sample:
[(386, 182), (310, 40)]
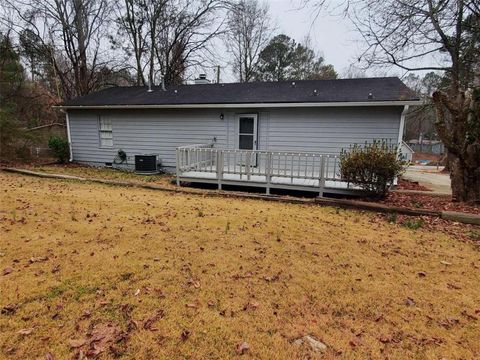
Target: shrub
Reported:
[(373, 167), (59, 147)]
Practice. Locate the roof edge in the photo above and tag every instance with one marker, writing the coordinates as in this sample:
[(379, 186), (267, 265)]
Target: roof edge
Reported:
[(244, 105)]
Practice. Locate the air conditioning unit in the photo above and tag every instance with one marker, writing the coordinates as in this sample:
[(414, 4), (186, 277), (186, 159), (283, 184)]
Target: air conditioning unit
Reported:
[(146, 164)]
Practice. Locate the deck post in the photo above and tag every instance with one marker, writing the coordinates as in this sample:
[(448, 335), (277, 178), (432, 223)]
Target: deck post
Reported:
[(178, 166), (219, 160), (268, 171), (248, 159), (321, 180)]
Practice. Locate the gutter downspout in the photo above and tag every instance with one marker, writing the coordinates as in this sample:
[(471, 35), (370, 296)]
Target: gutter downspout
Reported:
[(402, 127), (69, 136), (400, 136)]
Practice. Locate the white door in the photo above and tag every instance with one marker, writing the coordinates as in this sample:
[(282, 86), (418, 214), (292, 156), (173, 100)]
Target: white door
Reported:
[(247, 132)]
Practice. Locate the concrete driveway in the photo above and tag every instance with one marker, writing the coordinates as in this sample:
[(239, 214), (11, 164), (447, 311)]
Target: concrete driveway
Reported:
[(430, 177)]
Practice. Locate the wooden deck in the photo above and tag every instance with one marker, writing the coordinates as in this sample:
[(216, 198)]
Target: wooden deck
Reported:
[(302, 171)]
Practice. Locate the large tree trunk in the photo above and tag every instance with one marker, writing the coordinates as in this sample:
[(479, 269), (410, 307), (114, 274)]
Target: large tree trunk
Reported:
[(465, 181), (458, 125)]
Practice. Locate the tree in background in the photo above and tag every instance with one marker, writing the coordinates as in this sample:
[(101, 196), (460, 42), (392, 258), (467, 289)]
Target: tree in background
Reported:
[(284, 59), (66, 36), (11, 82), (185, 41), (433, 35), (166, 37), (248, 32), (420, 120)]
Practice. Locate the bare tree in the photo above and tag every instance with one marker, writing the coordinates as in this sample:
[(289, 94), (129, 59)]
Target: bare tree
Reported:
[(167, 36), (438, 35), (185, 41), (249, 30), (69, 34)]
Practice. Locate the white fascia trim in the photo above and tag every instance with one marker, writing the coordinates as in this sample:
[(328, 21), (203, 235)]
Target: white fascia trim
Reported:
[(250, 105)]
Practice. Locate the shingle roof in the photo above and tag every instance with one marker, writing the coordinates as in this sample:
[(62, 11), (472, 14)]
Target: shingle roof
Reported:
[(303, 91)]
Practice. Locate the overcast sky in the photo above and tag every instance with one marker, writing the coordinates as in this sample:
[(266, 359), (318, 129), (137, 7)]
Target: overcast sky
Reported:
[(331, 35)]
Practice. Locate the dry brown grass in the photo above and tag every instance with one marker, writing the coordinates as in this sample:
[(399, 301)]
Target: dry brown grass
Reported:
[(219, 272)]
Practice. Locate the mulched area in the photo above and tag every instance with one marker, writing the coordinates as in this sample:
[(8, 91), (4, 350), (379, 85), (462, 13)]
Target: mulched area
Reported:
[(431, 202), (463, 232), (404, 184)]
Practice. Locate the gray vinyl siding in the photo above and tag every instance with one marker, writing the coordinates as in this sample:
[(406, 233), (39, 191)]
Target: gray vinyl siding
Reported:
[(143, 132), (160, 131)]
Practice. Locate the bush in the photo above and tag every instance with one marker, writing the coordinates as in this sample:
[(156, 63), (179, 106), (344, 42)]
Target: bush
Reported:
[(373, 167), (60, 148)]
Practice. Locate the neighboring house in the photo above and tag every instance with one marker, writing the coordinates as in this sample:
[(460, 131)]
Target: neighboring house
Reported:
[(274, 134), (427, 146), (406, 152)]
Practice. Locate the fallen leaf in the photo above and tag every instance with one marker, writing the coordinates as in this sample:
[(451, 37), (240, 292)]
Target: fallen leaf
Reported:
[(9, 309), (384, 339), (251, 305), (148, 323), (38, 259), (469, 316), (185, 335), (445, 262), (242, 348), (453, 286), (25, 331), (86, 314), (76, 343), (102, 338), (49, 356), (421, 274), (137, 292), (7, 271), (409, 302), (314, 343)]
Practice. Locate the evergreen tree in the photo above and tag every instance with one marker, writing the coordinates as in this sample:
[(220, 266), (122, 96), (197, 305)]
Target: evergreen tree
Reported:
[(284, 59)]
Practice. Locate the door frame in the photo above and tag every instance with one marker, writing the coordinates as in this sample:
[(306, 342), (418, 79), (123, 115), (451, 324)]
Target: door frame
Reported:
[(255, 129)]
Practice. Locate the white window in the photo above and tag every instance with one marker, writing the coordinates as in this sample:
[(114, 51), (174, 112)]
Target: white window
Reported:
[(105, 130)]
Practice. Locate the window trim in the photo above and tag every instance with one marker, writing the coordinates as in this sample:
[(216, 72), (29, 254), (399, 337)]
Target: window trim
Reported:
[(100, 131)]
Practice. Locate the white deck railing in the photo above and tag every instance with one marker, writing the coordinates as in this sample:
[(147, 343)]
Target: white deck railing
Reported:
[(257, 165)]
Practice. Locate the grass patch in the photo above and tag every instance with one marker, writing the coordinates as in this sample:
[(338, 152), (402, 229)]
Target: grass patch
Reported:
[(474, 235), (187, 276), (413, 224)]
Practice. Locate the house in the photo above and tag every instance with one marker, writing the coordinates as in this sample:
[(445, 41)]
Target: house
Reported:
[(406, 152), (270, 134)]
